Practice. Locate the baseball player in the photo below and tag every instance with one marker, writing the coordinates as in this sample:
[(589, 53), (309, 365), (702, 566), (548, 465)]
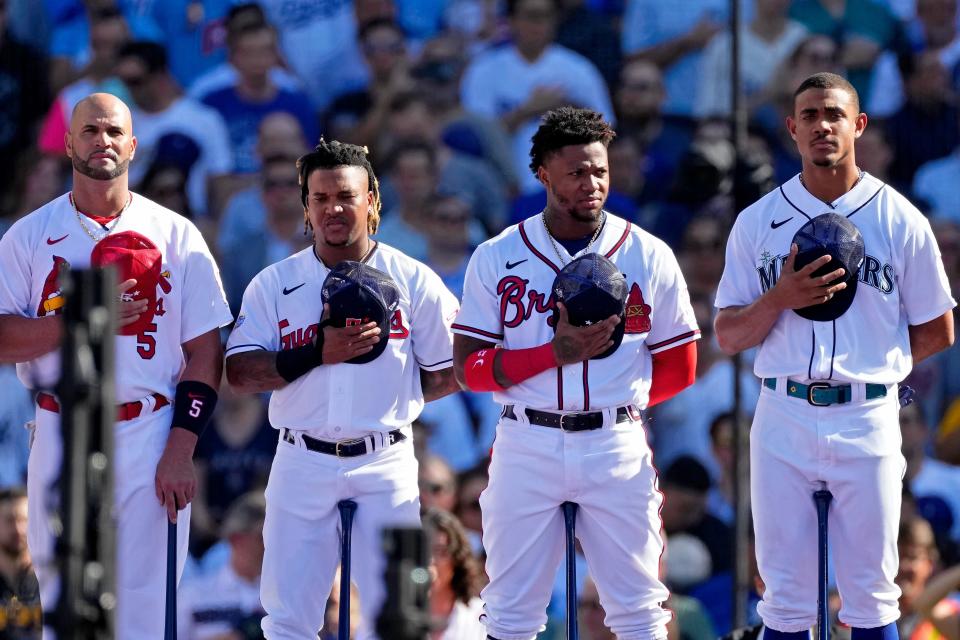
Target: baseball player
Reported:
[(168, 352), (344, 426), (571, 428), (830, 362)]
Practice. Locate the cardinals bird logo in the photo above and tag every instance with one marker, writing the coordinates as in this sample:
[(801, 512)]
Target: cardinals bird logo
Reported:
[(51, 299)]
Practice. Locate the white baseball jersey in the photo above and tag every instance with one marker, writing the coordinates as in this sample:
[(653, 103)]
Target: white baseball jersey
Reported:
[(902, 282), (507, 299), (190, 299), (281, 310)]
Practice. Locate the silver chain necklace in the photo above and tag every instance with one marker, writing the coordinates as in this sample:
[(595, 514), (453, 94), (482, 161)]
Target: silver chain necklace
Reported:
[(107, 229), (553, 243)]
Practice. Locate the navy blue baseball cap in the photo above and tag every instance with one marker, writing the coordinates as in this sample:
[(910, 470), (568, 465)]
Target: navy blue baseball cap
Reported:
[(833, 234), (592, 289), (358, 293)]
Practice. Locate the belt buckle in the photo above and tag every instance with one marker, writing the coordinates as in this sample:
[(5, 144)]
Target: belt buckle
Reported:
[(813, 386), (562, 416), (345, 443), (572, 416)]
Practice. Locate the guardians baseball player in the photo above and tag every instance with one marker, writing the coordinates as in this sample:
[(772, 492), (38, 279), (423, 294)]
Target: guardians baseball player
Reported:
[(571, 428), (168, 351), (833, 345), (343, 396)]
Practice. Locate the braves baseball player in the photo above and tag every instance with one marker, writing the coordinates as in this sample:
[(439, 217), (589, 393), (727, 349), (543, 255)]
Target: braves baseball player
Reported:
[(168, 352), (827, 416), (571, 428), (344, 427)]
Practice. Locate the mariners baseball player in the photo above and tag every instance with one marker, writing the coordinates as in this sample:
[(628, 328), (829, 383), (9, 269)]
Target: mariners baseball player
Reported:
[(168, 352), (827, 416), (344, 427), (571, 428)]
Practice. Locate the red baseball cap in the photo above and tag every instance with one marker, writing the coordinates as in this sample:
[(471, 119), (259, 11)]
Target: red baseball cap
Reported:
[(135, 257)]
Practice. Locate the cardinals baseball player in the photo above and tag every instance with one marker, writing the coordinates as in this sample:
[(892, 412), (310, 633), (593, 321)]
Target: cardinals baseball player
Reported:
[(343, 417), (168, 351), (830, 363), (571, 428)]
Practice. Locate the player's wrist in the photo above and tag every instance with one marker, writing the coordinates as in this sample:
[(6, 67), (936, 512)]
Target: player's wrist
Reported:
[(193, 406), (293, 363)]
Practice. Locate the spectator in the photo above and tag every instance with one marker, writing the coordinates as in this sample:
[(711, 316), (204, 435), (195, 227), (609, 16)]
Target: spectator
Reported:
[(437, 76), (471, 178), (438, 486), (934, 484), (226, 604), (672, 35), (224, 74), (721, 498), (470, 485), (663, 138), (861, 28), (411, 170), (456, 580), (232, 458), (874, 154), (331, 617), (16, 411), (244, 104), (918, 561), (685, 486), (195, 34), (360, 116), (701, 254), (940, 614), (24, 97), (166, 184), (765, 42), (591, 33), (37, 179), (320, 46), (591, 615), (927, 127), (935, 183), (19, 590), (159, 108), (948, 435), (520, 81)]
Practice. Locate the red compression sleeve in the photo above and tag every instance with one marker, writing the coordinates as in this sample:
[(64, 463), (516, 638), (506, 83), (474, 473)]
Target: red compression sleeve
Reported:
[(673, 371), (517, 365)]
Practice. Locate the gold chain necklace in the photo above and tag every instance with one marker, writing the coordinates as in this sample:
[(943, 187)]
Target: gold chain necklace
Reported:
[(109, 229), (553, 243)]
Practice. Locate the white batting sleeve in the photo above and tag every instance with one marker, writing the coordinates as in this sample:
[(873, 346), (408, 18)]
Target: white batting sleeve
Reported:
[(924, 287), (433, 312), (479, 315), (672, 319), (739, 284), (16, 269), (256, 326), (204, 302)]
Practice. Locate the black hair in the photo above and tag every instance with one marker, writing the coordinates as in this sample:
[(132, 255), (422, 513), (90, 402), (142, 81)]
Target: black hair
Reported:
[(8, 494), (512, 5), (826, 80), (412, 145), (153, 55), (564, 127), (377, 23), (332, 154)]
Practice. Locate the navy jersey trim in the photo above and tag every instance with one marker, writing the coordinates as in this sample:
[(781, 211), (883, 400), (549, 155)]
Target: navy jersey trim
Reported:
[(434, 364), (486, 334), (586, 385), (869, 200), (526, 241), (813, 346), (833, 352), (560, 388), (237, 346), (790, 202)]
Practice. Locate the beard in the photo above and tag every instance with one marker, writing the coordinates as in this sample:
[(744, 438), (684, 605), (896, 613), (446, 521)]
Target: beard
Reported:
[(578, 214), (83, 167)]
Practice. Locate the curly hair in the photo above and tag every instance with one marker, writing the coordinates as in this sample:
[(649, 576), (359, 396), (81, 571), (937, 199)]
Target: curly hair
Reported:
[(467, 578), (567, 126), (332, 154)]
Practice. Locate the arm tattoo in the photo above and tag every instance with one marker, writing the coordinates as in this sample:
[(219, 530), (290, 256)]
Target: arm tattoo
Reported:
[(437, 384), (254, 371), (568, 349)]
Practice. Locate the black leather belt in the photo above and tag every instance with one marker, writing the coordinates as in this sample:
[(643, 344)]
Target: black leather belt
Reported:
[(344, 448), (573, 421)]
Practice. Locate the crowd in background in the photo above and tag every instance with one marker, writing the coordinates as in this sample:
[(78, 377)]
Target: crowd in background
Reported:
[(446, 93)]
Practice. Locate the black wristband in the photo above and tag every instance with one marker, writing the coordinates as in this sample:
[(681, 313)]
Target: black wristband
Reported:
[(293, 363), (193, 405)]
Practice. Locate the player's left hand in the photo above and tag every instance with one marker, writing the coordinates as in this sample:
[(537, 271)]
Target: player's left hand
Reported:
[(176, 480)]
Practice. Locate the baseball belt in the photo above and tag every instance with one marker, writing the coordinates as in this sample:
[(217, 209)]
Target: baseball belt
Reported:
[(126, 411), (345, 448), (573, 421), (822, 394)]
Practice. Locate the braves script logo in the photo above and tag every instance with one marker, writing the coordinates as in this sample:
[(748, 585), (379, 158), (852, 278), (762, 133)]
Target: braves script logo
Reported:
[(517, 304), (638, 312)]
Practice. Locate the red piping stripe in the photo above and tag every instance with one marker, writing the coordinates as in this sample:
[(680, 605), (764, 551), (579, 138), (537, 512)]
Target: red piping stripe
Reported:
[(682, 336), (526, 241), (622, 239), (464, 327)]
